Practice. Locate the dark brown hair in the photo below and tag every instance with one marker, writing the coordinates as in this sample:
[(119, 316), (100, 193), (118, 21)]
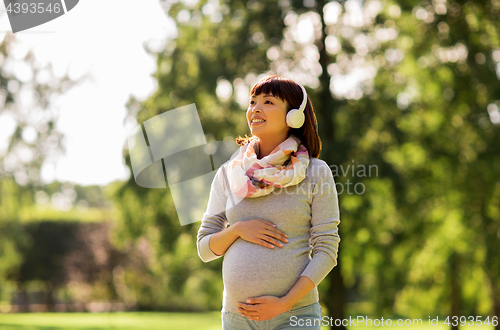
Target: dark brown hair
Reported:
[(291, 93)]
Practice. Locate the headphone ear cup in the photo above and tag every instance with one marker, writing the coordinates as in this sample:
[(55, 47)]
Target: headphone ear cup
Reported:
[(295, 118)]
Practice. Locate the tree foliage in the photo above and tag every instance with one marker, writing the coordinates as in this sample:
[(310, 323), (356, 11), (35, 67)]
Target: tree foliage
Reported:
[(410, 88), (28, 137)]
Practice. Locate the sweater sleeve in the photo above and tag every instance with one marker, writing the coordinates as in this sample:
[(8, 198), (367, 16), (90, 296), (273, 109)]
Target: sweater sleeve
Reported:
[(325, 219), (214, 219)]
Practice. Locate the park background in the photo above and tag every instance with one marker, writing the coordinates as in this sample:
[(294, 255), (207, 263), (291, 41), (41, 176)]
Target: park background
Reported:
[(411, 87)]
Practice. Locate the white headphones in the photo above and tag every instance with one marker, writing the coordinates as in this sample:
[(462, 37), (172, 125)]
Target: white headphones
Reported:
[(295, 118)]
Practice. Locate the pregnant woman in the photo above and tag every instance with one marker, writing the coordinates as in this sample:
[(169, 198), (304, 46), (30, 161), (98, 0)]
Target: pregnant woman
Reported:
[(271, 204)]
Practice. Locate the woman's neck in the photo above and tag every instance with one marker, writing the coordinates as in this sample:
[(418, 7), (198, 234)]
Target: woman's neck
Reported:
[(268, 144)]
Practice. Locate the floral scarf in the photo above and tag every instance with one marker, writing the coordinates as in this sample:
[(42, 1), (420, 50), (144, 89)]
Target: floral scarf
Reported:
[(250, 177)]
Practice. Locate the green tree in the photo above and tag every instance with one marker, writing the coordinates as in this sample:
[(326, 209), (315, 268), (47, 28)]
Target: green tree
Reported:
[(430, 123), (27, 136)]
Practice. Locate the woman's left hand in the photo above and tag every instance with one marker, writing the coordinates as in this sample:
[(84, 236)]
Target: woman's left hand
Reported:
[(263, 308)]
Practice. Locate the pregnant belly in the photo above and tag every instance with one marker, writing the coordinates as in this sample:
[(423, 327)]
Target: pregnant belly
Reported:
[(251, 270), (249, 262)]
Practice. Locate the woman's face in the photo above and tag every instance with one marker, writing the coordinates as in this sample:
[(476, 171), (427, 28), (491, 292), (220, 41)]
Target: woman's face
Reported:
[(266, 115)]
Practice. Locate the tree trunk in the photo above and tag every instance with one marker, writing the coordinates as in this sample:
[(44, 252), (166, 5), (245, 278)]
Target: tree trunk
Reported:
[(334, 300), (455, 290), (21, 298), (50, 298), (496, 305), (495, 294)]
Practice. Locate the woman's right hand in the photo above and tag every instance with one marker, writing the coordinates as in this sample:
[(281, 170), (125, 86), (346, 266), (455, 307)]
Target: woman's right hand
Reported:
[(261, 232)]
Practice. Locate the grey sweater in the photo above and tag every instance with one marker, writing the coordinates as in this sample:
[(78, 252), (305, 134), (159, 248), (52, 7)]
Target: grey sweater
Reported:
[(308, 213)]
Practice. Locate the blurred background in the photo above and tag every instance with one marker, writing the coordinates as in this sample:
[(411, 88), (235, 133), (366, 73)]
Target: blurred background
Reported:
[(408, 89)]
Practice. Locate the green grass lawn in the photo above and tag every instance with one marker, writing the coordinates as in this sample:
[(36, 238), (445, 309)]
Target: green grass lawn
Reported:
[(122, 321), (147, 320)]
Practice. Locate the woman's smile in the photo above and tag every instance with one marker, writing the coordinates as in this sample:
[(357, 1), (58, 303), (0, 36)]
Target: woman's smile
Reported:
[(257, 121)]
